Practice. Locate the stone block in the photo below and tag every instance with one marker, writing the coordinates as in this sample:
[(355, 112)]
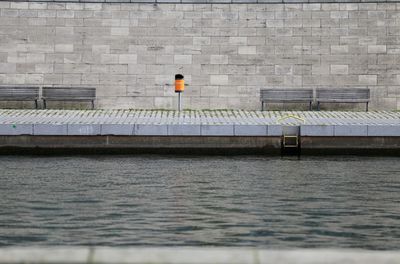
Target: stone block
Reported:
[(16, 129), (183, 255), (183, 59), (238, 40), (109, 58), (4, 5), (219, 59), (219, 79), (19, 5), (376, 48), (50, 129), (209, 91), (151, 130), (350, 130), (84, 129), (247, 50), (117, 129), (8, 67), (339, 49), (250, 130), (317, 130), (274, 130), (339, 69), (384, 130), (64, 47), (127, 59), (217, 130), (184, 130), (44, 255), (367, 79), (101, 49), (119, 31)]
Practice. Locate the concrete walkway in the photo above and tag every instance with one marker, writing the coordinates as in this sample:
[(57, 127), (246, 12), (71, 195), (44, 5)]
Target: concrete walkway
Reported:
[(190, 255), (196, 123)]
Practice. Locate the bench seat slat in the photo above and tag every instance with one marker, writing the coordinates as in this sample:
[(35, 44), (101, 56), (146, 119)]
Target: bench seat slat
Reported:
[(69, 94), (19, 93), (286, 96), (346, 95)]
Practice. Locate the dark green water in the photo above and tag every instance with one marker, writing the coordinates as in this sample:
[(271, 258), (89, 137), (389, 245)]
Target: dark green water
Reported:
[(269, 202)]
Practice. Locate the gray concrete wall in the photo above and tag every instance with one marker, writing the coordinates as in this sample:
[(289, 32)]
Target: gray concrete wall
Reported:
[(227, 52)]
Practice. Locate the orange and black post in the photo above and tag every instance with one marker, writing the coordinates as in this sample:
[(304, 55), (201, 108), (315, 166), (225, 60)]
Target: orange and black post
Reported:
[(179, 88)]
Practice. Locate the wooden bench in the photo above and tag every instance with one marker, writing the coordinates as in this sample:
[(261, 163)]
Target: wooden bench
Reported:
[(19, 93), (286, 96), (68, 94), (347, 95)]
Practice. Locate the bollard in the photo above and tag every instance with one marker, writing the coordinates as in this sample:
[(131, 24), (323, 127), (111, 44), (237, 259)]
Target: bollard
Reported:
[(179, 88)]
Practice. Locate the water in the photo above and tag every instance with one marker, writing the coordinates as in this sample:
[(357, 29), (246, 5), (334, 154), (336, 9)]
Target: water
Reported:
[(268, 202)]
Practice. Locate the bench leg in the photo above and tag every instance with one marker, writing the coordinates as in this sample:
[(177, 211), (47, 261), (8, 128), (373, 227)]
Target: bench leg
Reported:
[(262, 106), (92, 104), (36, 104), (310, 108), (366, 108), (44, 104), (318, 106)]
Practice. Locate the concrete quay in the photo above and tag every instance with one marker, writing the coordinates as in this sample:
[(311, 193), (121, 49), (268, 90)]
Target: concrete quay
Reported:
[(193, 255), (206, 130)]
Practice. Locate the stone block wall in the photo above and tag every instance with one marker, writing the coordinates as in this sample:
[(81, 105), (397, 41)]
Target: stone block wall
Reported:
[(227, 52)]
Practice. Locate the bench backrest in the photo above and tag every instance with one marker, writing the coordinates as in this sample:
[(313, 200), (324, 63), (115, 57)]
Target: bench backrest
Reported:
[(286, 94), (19, 93), (62, 93), (343, 94)]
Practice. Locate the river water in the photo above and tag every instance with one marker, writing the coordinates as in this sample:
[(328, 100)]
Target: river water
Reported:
[(267, 202)]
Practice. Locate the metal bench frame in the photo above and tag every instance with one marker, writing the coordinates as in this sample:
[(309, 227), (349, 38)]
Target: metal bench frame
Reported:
[(347, 95), (286, 96), (68, 94), (19, 93)]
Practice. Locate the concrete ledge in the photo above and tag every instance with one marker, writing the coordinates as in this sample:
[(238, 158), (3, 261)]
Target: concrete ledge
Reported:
[(251, 130), (274, 130), (12, 129), (50, 129), (184, 130), (217, 1), (384, 130), (217, 130), (351, 130), (117, 129), (83, 130), (151, 130), (316, 130), (191, 255)]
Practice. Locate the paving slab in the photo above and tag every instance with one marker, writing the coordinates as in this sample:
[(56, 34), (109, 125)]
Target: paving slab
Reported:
[(150, 130), (83, 130), (117, 129), (317, 130), (16, 129), (274, 130), (184, 130), (351, 130), (50, 129), (384, 130), (250, 130), (217, 130)]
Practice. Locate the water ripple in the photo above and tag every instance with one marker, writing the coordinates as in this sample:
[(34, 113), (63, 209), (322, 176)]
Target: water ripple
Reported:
[(154, 200)]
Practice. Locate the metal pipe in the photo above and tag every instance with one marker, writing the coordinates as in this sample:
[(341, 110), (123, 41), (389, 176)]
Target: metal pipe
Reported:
[(179, 101)]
